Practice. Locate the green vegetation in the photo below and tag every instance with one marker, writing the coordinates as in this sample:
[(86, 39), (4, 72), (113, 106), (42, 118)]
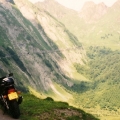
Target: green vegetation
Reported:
[(3, 38), (11, 1), (102, 69), (103, 65), (48, 64), (34, 108), (16, 59)]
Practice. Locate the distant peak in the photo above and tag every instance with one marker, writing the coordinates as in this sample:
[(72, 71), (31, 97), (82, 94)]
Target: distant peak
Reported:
[(117, 2), (93, 12), (90, 4), (101, 3), (49, 0)]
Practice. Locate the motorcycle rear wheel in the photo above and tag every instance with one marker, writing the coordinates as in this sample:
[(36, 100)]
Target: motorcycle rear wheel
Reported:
[(14, 109)]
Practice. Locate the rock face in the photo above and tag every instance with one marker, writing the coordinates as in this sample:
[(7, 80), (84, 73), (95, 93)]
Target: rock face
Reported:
[(92, 12), (43, 48)]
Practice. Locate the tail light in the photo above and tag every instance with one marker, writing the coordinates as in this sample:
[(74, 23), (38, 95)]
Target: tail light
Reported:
[(5, 96), (19, 92), (11, 90)]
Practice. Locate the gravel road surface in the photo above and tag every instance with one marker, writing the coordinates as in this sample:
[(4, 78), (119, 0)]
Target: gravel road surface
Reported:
[(5, 116)]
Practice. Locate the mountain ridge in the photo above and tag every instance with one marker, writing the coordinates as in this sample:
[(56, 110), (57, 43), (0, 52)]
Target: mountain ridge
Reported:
[(92, 12), (90, 31)]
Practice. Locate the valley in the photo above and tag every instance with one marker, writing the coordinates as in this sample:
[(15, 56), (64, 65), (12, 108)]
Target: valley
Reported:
[(63, 54)]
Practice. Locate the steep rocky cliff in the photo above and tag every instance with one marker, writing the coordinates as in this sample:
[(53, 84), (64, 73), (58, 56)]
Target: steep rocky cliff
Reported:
[(36, 47)]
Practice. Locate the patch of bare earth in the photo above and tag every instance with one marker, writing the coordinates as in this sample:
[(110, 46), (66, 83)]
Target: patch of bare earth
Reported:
[(60, 114)]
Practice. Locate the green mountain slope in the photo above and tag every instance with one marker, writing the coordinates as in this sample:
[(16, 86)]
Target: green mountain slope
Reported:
[(106, 31), (100, 95), (103, 70)]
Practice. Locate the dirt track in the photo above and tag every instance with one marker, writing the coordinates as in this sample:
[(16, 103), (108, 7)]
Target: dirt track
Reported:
[(5, 116)]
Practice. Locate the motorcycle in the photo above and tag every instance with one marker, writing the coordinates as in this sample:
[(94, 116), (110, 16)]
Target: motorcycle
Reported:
[(10, 98)]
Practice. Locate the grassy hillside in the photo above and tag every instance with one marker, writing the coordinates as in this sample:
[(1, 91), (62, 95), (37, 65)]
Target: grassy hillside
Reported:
[(34, 109), (102, 69)]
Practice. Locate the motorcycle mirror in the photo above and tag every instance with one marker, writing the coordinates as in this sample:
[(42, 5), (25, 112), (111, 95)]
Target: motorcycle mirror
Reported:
[(10, 74)]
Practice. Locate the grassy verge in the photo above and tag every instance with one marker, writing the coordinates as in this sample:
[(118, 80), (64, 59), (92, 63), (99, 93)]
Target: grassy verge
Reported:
[(34, 108)]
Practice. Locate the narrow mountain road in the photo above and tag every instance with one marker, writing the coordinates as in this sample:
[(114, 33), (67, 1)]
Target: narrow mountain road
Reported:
[(5, 116)]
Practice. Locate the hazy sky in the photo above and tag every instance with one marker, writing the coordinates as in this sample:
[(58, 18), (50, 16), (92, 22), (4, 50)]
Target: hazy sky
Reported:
[(77, 4)]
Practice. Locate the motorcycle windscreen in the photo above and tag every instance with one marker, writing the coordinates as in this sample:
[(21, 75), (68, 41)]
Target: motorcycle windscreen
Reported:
[(13, 96)]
